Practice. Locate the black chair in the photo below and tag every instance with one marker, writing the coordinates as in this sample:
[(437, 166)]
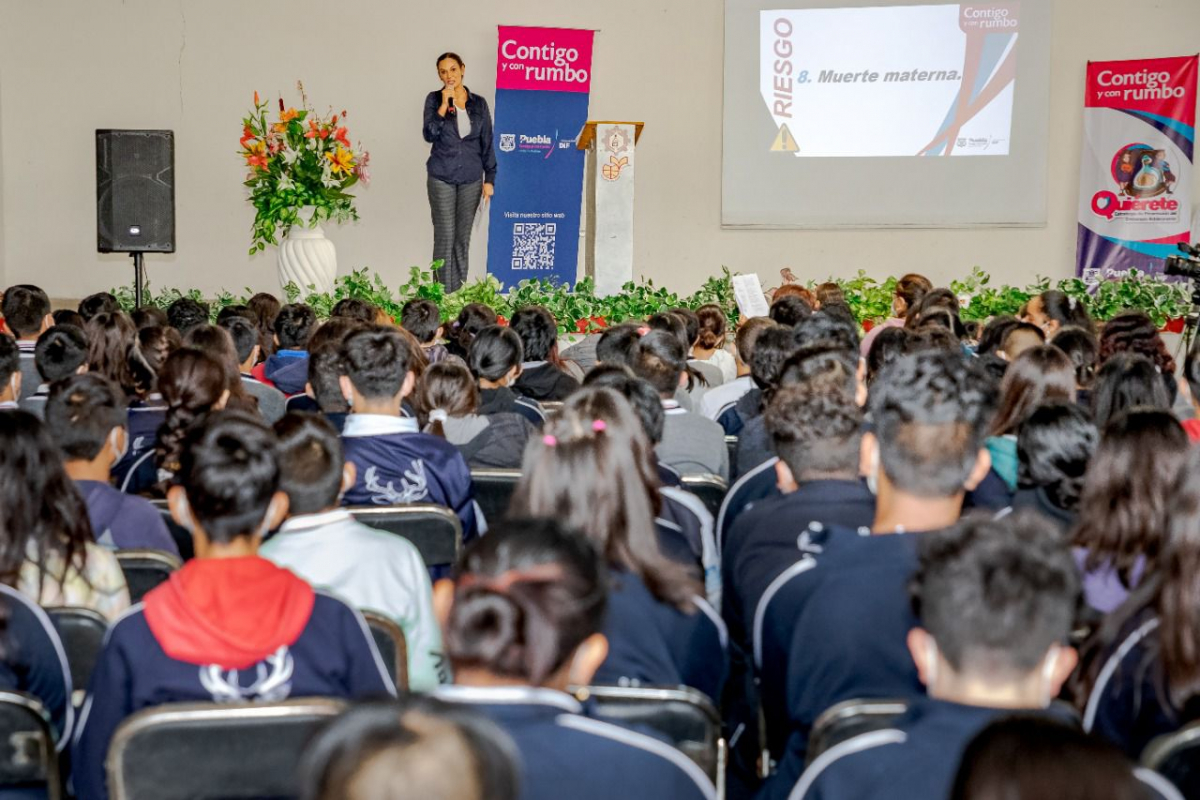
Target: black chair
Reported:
[(731, 443), (28, 759), (208, 750), (709, 488), (686, 717), (434, 530), (494, 490), (181, 535), (146, 569), (849, 719), (82, 632), (392, 646), (1176, 756)]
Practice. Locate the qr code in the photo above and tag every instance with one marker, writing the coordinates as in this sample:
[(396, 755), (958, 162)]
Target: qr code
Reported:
[(533, 245)]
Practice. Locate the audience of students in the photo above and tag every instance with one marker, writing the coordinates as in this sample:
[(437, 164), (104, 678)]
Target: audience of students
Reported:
[(724, 397), (910, 289), (422, 319), (473, 318), (26, 311), (287, 368), (1054, 448), (448, 404), (541, 377), (248, 350), (495, 358), (60, 352)]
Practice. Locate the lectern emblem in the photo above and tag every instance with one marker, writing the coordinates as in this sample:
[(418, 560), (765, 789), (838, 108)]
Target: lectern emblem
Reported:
[(616, 141)]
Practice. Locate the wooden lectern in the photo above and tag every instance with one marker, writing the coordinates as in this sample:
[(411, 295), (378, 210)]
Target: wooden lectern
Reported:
[(608, 192)]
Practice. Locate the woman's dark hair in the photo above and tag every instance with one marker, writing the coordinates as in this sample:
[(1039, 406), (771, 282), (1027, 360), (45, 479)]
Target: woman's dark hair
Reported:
[(932, 299), (1124, 510), (494, 352), (416, 746), (186, 312), (1054, 448), (229, 468), (1179, 592), (829, 292), (446, 386), (455, 56), (617, 343), (155, 345), (334, 331), (149, 317), (713, 326), (354, 308), (888, 345), (526, 596), (789, 309), (672, 323), (1127, 381), (1033, 756), (911, 288), (218, 343), (112, 338), (43, 511), (1067, 311), (191, 383), (311, 462), (60, 352), (98, 303), (538, 331), (65, 316), (1081, 347), (266, 308), (1191, 369), (293, 326), (473, 318), (641, 396), (595, 471), (660, 359), (1135, 332), (1039, 375), (994, 334)]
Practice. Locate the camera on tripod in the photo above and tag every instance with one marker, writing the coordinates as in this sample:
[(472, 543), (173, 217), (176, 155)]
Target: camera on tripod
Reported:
[(1187, 265)]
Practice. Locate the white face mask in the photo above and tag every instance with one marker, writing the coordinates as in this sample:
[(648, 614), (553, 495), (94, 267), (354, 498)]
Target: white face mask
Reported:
[(931, 656), (118, 452), (265, 528), (873, 472), (1048, 677), (12, 385)]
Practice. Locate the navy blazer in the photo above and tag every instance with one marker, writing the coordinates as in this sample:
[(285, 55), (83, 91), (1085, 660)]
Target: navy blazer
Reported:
[(453, 159)]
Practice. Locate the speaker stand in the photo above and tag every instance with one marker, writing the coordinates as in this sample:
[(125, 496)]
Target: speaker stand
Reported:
[(139, 279)]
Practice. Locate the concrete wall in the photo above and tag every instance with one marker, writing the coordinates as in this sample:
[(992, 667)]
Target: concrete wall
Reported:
[(69, 67)]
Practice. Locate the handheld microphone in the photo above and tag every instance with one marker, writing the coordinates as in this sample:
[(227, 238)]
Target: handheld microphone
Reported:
[(450, 105)]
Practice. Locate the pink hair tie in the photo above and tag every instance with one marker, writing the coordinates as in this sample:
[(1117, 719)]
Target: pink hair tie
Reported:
[(549, 440), (599, 425), (642, 331)]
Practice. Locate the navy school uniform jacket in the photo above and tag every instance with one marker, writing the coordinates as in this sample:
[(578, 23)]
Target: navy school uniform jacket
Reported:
[(565, 754), (122, 522), (835, 627), (1129, 704), (541, 380), (137, 472), (755, 484), (504, 400), (301, 402), (681, 533), (654, 643), (35, 662), (151, 654), (733, 418), (397, 465)]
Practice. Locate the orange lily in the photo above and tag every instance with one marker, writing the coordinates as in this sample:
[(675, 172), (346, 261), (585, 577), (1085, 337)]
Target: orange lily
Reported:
[(256, 103), (340, 135), (341, 161), (257, 156), (247, 136)]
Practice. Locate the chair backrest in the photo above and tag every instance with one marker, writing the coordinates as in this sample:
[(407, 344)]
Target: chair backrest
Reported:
[(1176, 756), (393, 647), (146, 569), (494, 490), (27, 755), (849, 719), (181, 535), (82, 632), (434, 530), (551, 407), (685, 716), (709, 488), (209, 750), (731, 444)]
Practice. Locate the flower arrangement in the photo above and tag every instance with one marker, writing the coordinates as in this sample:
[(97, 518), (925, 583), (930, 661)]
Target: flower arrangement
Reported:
[(300, 159)]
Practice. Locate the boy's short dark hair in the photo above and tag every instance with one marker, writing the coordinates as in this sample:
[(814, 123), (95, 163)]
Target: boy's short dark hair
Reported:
[(244, 334), (691, 323), (186, 313), (616, 344), (294, 325), (789, 309), (816, 428), (825, 330), (60, 352), (538, 331), (229, 468), (236, 310), (495, 350), (98, 303), (354, 308), (834, 366), (995, 594), (325, 370), (660, 358), (10, 360), (24, 308), (65, 316), (772, 348), (930, 412), (377, 360), (149, 317), (746, 336), (82, 412), (641, 396), (673, 324), (422, 319), (310, 462)]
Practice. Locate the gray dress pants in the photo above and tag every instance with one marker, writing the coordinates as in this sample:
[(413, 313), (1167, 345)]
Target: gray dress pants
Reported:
[(452, 207)]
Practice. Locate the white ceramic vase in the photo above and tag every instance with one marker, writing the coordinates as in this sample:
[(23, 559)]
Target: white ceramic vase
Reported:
[(306, 257)]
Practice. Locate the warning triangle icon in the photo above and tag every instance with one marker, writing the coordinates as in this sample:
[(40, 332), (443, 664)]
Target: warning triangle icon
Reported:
[(784, 141)]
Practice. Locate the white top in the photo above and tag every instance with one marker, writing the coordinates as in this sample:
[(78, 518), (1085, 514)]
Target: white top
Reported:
[(464, 122), (371, 570), (722, 360), (725, 394)]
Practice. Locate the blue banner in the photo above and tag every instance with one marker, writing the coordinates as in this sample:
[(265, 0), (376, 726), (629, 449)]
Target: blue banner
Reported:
[(542, 82)]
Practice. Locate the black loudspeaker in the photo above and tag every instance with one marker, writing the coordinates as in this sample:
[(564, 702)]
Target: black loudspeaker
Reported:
[(135, 191)]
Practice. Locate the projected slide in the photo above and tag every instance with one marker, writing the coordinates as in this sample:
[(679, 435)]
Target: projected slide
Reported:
[(921, 80)]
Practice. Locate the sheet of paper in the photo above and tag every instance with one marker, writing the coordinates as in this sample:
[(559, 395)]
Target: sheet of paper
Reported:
[(748, 292)]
